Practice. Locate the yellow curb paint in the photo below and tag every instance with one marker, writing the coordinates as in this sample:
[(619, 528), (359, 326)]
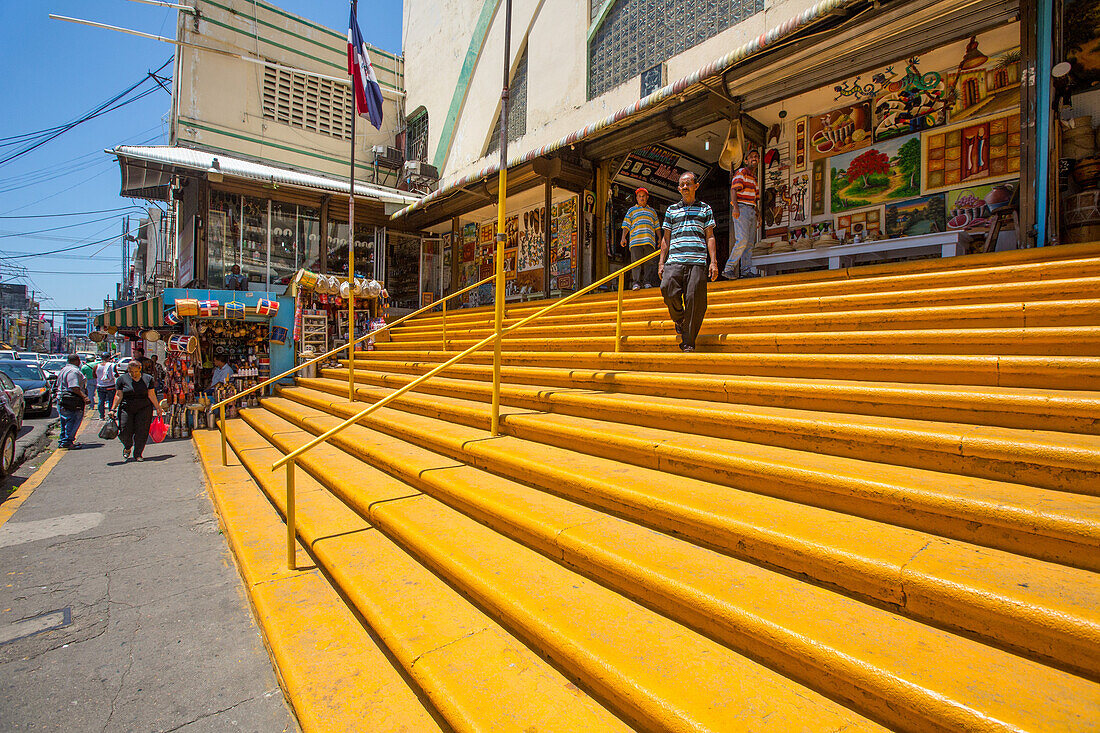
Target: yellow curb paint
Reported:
[(20, 495)]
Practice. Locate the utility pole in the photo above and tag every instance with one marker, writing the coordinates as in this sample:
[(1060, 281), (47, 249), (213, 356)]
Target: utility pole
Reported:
[(124, 282)]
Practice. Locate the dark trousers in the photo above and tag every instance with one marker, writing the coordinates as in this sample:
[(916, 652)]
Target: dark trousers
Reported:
[(646, 275), (684, 288), (106, 397), (133, 428)]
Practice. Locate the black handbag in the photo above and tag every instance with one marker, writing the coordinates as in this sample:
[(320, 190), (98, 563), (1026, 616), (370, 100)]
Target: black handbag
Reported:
[(109, 431), (71, 401)]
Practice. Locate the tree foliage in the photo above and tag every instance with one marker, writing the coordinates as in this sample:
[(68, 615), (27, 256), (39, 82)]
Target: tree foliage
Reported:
[(867, 164)]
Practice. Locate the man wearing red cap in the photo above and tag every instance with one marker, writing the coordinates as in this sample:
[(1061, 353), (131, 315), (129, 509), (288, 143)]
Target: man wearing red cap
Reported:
[(640, 230)]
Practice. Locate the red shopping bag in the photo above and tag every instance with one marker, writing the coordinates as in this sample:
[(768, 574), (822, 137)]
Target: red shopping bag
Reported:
[(158, 430)]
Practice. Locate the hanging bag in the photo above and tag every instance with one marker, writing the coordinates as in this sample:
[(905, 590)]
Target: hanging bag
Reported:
[(158, 431), (109, 431)]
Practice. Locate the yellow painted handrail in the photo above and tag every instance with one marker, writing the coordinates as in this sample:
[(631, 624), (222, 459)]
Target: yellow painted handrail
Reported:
[(454, 360), (351, 355)]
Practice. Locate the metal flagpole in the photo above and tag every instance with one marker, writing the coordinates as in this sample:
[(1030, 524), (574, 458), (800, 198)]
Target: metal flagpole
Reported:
[(351, 240), (502, 194)]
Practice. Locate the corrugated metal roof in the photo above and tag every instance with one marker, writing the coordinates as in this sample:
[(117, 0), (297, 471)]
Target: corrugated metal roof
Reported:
[(239, 168), (760, 43)]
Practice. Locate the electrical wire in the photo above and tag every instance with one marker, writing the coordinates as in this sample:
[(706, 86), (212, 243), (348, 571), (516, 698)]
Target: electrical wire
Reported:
[(5, 235), (34, 140), (69, 213)]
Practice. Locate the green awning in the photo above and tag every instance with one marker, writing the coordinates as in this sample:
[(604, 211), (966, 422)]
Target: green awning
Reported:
[(146, 314)]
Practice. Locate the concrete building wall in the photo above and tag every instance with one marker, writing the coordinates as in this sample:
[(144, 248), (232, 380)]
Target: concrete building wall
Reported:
[(454, 49), (220, 100)]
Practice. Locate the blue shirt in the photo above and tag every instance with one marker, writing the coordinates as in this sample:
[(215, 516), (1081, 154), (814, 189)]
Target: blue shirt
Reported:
[(687, 226), (641, 222)]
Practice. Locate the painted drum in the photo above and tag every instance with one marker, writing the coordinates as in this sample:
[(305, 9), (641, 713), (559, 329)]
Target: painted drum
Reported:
[(180, 342), (187, 307)]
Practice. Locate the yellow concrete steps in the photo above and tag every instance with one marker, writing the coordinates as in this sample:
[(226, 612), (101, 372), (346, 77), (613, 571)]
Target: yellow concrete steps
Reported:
[(1059, 313), (656, 673), (893, 277), (836, 649), (1043, 609), (1027, 520), (1076, 411), (1029, 372), (1040, 341), (437, 637), (321, 651), (652, 309), (1046, 459)]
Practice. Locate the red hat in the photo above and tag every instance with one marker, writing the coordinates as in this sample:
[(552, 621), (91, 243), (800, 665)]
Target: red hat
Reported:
[(642, 189)]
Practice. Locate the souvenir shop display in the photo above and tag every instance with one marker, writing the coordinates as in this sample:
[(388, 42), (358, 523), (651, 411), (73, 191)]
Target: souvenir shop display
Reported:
[(321, 310)]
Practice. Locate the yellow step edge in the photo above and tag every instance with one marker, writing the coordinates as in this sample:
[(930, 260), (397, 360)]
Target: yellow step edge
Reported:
[(1069, 341), (1013, 407), (1026, 520), (438, 637), (1041, 609), (330, 658), (1028, 372), (1062, 461)]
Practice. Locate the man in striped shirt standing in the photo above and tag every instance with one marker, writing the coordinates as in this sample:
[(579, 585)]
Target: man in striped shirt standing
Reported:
[(743, 198), (640, 230), (688, 256)]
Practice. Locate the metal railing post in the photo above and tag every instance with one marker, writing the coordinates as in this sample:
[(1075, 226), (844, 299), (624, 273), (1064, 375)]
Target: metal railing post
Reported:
[(291, 524), (619, 314), (444, 325), (221, 424)]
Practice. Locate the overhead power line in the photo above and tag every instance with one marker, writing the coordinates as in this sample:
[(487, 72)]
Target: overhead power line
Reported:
[(69, 213)]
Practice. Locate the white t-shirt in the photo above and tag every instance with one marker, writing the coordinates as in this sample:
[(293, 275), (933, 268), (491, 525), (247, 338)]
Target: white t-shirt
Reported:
[(105, 374)]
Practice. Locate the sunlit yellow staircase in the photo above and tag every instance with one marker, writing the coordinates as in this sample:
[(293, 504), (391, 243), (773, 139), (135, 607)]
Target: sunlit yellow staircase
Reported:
[(870, 501)]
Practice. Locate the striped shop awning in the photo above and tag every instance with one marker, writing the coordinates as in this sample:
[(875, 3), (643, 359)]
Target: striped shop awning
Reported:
[(145, 314)]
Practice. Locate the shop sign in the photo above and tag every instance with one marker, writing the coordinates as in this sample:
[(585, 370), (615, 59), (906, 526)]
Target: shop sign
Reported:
[(659, 168)]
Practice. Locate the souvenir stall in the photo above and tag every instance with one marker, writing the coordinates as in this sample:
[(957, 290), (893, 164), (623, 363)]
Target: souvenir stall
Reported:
[(249, 330), (917, 158), (320, 321), (1077, 138)]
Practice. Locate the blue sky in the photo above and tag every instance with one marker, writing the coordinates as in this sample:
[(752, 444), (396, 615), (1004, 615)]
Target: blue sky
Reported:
[(55, 72)]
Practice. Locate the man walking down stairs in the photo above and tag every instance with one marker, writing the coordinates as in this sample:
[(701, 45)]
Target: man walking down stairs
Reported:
[(871, 501)]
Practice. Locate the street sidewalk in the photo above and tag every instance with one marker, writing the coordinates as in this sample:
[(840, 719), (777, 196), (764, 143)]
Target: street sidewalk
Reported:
[(120, 607)]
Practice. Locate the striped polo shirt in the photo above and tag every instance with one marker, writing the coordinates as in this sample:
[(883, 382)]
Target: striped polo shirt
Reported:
[(687, 226), (642, 223), (743, 186)]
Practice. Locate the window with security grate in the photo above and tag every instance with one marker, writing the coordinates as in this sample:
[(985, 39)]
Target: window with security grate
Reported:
[(639, 34), (306, 102), (416, 136), (517, 107)]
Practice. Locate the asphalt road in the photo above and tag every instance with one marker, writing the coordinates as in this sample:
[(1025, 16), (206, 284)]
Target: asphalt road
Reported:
[(120, 606)]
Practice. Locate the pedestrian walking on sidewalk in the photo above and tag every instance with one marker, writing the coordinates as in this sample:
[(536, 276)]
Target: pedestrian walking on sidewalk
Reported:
[(72, 396), (688, 256), (135, 396), (105, 376), (88, 370), (640, 233)]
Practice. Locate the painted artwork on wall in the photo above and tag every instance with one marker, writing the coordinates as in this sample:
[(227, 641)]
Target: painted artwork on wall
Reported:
[(925, 215), (776, 188), (859, 223), (914, 102), (817, 188), (983, 85), (801, 152), (529, 281), (885, 172), (840, 131), (975, 206), (981, 151)]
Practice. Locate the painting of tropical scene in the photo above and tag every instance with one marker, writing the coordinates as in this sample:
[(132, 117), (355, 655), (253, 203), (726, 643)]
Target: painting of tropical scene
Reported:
[(885, 172)]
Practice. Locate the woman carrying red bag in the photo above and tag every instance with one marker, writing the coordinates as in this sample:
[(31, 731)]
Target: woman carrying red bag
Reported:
[(134, 393)]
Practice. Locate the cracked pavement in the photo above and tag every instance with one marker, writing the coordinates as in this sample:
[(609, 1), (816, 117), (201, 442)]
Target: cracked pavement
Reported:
[(162, 638)]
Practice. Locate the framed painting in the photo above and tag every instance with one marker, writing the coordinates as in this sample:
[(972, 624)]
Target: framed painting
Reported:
[(970, 153), (840, 131), (881, 174), (925, 215)]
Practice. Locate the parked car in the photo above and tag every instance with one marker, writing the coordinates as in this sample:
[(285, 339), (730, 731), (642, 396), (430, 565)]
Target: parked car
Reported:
[(88, 356), (53, 366), (11, 395), (8, 354), (29, 356), (10, 424), (37, 390)]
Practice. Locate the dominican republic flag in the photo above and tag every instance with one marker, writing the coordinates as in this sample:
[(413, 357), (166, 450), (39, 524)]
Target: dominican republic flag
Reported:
[(364, 85)]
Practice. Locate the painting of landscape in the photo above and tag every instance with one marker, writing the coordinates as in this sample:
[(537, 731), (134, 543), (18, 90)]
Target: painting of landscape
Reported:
[(881, 174)]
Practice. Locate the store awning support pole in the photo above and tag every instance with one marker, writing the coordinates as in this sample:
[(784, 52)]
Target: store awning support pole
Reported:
[(502, 196)]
